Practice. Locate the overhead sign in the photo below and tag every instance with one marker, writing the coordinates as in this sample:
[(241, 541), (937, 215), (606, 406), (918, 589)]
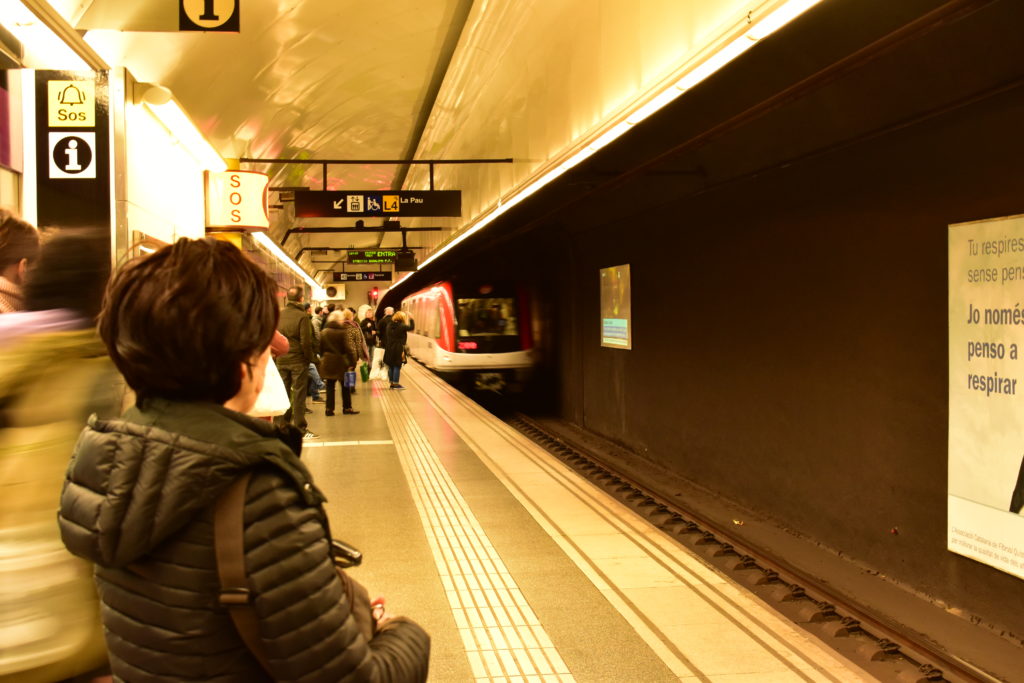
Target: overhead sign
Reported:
[(209, 15), (375, 204), (362, 277), (370, 256), (71, 104), (237, 199)]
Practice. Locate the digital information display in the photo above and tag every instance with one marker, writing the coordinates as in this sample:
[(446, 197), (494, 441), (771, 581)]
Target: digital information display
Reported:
[(371, 256), (615, 297), (986, 417)]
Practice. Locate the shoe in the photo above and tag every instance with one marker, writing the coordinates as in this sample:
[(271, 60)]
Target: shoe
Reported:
[(350, 411), (310, 435), (397, 386), (308, 411), (319, 400), (329, 413)]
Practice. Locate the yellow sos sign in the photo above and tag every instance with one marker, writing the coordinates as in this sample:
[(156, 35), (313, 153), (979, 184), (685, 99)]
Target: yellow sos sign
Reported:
[(71, 104)]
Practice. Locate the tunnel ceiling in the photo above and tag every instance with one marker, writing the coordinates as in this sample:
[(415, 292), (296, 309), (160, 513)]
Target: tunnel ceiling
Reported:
[(445, 79)]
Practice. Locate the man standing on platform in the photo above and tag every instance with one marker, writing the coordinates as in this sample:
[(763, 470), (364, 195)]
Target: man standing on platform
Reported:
[(294, 365)]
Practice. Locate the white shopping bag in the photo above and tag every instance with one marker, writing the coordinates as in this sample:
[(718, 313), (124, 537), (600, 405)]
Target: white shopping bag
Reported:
[(377, 369), (274, 399)]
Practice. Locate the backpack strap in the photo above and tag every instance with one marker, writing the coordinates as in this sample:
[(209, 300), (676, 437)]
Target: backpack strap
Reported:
[(229, 546)]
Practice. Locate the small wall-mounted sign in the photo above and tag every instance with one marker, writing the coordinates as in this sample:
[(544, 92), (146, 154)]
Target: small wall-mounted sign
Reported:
[(71, 104), (237, 199), (209, 15), (72, 155)]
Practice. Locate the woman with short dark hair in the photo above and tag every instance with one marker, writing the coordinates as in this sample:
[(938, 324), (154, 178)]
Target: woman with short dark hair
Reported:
[(19, 247), (189, 327)]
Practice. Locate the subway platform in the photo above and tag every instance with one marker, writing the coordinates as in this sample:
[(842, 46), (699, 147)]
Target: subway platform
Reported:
[(521, 570)]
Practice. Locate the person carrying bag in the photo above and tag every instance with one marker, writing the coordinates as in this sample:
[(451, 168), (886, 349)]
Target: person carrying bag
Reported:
[(141, 494)]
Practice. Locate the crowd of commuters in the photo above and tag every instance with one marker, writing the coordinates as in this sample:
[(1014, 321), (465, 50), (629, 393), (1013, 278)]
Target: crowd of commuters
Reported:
[(150, 453)]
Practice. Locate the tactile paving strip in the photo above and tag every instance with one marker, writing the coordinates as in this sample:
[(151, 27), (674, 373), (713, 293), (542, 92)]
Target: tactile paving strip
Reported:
[(503, 638)]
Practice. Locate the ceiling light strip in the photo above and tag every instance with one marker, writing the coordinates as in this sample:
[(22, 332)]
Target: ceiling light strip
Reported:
[(66, 32), (270, 245), (771, 22)]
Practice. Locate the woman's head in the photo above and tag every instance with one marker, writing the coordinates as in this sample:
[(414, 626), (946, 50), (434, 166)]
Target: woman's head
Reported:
[(335, 317), (347, 315), (186, 322), (19, 246), (71, 272), (399, 317)]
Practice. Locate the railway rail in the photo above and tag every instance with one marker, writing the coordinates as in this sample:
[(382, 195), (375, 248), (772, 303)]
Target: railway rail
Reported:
[(883, 649)]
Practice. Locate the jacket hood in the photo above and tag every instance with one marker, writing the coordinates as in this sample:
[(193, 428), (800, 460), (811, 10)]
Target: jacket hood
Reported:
[(137, 480)]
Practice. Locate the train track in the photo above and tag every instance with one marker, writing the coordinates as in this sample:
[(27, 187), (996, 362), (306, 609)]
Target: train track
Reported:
[(883, 649)]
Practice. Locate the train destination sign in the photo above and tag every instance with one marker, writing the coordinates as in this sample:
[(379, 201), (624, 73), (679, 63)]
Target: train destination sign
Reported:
[(377, 204), (362, 277), (371, 256)]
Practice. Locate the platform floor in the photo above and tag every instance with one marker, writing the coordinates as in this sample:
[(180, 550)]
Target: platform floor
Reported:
[(523, 571)]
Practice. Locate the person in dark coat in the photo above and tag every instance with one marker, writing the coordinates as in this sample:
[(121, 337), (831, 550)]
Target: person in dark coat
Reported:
[(394, 349), (295, 325), (382, 327), (140, 492), (343, 348)]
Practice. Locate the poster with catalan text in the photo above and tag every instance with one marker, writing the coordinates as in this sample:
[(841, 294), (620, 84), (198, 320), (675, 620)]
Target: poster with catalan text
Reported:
[(986, 392)]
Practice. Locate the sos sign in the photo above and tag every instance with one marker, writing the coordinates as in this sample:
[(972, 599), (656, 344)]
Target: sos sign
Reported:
[(237, 199), (71, 104)]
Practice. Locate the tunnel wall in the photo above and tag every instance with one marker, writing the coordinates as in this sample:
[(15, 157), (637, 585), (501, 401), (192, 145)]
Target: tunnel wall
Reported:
[(790, 340)]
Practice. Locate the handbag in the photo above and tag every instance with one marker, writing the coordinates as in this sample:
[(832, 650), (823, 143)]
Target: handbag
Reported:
[(364, 372), (350, 379)]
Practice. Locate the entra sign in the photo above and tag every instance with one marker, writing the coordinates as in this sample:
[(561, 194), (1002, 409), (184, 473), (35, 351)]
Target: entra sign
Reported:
[(237, 199)]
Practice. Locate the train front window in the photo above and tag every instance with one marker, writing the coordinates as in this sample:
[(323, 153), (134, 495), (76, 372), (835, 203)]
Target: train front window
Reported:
[(489, 317)]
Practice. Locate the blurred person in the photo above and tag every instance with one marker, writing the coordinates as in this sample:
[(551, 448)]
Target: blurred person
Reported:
[(49, 611), (189, 327), (394, 348), (19, 247), (343, 349), (293, 365)]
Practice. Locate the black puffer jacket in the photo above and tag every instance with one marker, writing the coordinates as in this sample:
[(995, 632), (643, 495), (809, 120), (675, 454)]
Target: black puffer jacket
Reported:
[(138, 502)]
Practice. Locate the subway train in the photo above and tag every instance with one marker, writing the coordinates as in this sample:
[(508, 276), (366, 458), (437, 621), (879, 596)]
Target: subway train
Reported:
[(477, 335)]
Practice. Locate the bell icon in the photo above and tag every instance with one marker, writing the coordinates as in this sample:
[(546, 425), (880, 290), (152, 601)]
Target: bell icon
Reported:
[(71, 95)]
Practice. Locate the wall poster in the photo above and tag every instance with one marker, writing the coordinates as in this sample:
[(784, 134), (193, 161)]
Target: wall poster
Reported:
[(986, 392), (615, 297)]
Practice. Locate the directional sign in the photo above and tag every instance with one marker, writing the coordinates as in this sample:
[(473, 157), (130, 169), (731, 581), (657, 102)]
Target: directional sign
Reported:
[(362, 277), (376, 204), (370, 256)]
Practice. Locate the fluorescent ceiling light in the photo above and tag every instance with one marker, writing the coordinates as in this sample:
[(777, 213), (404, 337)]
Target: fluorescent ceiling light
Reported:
[(185, 132), (271, 246), (767, 25), (44, 49)]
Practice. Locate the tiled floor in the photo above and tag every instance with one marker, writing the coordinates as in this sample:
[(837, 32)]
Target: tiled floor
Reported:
[(522, 571)]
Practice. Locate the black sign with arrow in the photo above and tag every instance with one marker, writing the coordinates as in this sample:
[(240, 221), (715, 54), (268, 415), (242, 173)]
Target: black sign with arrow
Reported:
[(377, 204)]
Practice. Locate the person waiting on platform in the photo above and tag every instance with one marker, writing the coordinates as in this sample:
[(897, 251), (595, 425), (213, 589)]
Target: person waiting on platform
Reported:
[(394, 349), (190, 327), (19, 246), (343, 349), (294, 365)]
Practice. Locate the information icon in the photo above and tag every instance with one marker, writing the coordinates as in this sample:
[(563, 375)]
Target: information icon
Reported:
[(72, 155)]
